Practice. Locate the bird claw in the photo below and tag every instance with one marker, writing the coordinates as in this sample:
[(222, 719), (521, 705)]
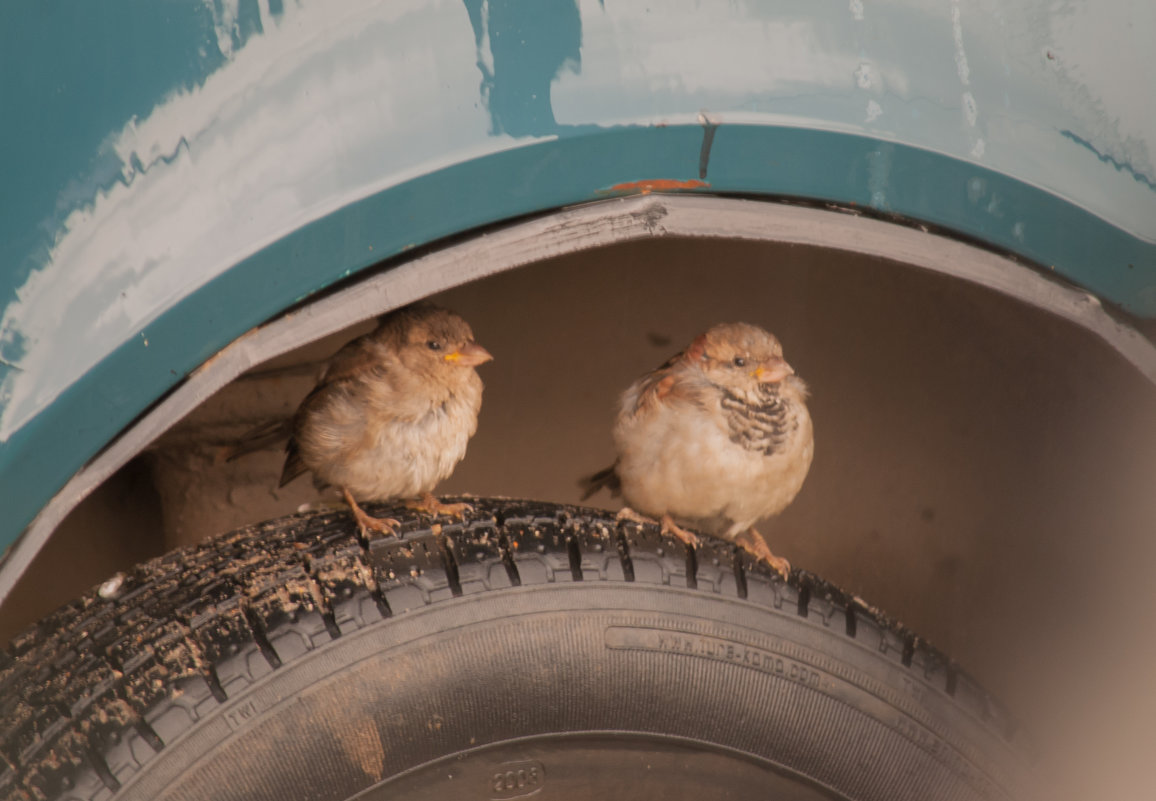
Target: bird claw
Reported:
[(382, 525), (779, 564), (666, 525), (367, 522), (753, 543), (688, 538), (429, 505), (630, 516)]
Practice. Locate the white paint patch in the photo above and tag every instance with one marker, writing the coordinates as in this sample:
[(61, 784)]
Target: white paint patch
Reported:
[(970, 110), (961, 67), (874, 111), (963, 70), (857, 9), (1018, 231), (1097, 53), (975, 189), (637, 65), (225, 13), (864, 77), (485, 52)]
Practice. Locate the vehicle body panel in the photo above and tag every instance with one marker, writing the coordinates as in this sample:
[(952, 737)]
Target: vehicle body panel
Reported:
[(177, 177)]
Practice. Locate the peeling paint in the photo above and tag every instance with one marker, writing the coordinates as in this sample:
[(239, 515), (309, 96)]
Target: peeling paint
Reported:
[(649, 185)]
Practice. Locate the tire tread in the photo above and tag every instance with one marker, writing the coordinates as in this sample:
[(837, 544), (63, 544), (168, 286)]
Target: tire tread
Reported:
[(99, 687)]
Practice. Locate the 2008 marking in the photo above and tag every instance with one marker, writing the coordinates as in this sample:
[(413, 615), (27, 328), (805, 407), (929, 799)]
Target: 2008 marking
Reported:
[(517, 779)]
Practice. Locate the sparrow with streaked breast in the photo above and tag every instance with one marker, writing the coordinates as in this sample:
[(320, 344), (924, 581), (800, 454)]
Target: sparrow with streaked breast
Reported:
[(391, 414), (717, 438)]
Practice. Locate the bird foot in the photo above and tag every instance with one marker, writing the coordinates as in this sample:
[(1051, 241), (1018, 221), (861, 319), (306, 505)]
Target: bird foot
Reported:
[(666, 525), (429, 505), (367, 522), (753, 543), (687, 538), (631, 516)]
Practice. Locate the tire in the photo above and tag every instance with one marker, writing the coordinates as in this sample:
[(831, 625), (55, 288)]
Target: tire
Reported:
[(529, 649)]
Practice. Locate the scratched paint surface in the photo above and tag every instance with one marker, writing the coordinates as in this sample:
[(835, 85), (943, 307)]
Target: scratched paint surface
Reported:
[(151, 215)]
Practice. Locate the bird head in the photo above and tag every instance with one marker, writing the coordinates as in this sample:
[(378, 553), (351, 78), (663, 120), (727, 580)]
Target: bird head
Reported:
[(434, 341), (741, 358)]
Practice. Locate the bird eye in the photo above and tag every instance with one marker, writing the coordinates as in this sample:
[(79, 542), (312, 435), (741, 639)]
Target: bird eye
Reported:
[(739, 361), (433, 344)]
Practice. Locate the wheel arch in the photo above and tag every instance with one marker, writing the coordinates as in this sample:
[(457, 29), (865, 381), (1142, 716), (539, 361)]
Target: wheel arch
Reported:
[(580, 228)]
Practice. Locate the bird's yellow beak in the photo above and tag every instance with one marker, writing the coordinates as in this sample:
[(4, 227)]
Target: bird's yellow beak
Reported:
[(470, 356), (772, 371)]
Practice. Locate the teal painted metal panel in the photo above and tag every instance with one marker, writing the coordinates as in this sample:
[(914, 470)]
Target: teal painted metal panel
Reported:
[(177, 173)]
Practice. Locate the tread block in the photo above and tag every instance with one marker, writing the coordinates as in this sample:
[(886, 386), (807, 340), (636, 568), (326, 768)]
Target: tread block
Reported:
[(477, 551), (764, 585), (649, 552), (410, 573), (598, 553), (226, 641), (537, 545), (717, 563)]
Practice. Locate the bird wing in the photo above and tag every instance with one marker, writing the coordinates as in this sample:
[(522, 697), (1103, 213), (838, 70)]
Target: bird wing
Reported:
[(351, 364), (675, 383), (357, 358), (294, 465)]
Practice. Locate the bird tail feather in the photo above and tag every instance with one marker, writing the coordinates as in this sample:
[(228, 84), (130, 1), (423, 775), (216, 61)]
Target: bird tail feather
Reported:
[(607, 478), (260, 438)]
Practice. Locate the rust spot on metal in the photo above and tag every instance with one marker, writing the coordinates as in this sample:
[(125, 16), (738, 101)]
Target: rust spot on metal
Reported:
[(658, 185)]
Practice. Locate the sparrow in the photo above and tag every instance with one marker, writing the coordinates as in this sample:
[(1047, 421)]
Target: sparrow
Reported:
[(391, 414), (717, 438)]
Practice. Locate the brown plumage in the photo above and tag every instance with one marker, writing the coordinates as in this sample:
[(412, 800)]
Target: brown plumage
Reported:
[(392, 413), (718, 438)]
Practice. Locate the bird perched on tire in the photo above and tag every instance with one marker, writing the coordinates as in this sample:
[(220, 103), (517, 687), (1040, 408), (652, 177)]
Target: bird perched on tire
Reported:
[(718, 438), (391, 414)]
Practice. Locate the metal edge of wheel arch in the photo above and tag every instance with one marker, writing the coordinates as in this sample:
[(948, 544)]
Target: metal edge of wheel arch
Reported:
[(572, 230)]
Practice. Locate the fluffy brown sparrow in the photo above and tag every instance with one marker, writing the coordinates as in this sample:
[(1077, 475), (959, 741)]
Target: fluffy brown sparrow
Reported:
[(719, 437), (391, 414)]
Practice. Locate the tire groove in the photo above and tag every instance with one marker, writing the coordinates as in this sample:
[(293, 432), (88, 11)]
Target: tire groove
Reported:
[(260, 636)]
